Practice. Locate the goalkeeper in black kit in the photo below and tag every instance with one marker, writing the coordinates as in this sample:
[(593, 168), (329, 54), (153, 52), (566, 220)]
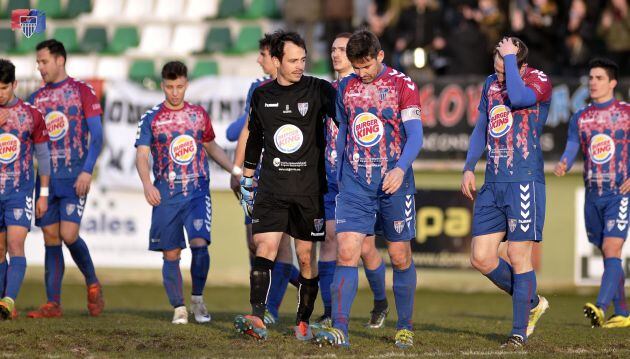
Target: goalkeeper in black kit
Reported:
[(287, 126)]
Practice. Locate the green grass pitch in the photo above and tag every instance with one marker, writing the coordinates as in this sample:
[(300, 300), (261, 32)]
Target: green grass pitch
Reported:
[(136, 323)]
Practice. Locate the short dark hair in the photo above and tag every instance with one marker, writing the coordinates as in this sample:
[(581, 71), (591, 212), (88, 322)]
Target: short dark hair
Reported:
[(343, 35), (279, 38), (363, 45), (7, 72), (611, 68), (521, 54), (173, 70), (265, 42), (54, 46)]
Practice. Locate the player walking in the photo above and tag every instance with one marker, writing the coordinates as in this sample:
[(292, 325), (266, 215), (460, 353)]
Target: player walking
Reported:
[(602, 130), (512, 112)]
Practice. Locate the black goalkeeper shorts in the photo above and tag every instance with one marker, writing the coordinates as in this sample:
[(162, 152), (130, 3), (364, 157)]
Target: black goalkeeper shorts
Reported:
[(301, 217)]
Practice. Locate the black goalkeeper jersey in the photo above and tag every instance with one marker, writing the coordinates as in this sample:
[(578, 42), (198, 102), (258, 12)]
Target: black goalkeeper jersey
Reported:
[(288, 123)]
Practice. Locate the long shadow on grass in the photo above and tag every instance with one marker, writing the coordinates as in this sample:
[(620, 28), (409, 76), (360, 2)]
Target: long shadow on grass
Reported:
[(494, 337)]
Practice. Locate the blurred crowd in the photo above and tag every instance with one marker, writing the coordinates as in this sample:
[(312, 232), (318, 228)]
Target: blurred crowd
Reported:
[(457, 37)]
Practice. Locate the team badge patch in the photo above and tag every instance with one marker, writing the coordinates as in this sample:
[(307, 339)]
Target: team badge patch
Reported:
[(288, 139), (382, 93), (29, 21), (610, 224), (70, 207), (367, 129), (500, 121), (17, 213), (183, 149), (399, 226), (319, 224), (601, 149), (303, 108), (57, 125), (9, 148), (512, 224), (198, 223)]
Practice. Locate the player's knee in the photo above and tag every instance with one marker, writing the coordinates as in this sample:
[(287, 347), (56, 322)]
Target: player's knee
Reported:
[(518, 259), (347, 256), (16, 248), (51, 237), (401, 261), (483, 262), (172, 255), (612, 247)]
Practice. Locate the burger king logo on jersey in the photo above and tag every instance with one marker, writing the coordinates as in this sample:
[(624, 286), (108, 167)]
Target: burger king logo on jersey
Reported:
[(500, 121), (57, 125), (367, 129), (183, 149), (9, 148), (601, 149), (288, 138)]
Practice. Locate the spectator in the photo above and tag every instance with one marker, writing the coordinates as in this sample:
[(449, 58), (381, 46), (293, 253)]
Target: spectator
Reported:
[(537, 26), (491, 20), (614, 28), (466, 45), (578, 39)]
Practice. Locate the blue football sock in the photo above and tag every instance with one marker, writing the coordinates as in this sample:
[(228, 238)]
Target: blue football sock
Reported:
[(294, 277), (619, 300), (280, 275), (376, 278), (3, 276), (404, 293), (81, 255), (326, 272), (199, 267), (15, 276), (343, 290), (502, 276), (172, 280), (54, 268), (522, 298), (613, 273)]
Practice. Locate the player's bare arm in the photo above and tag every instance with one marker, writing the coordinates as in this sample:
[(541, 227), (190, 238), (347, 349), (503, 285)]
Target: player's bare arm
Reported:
[(239, 156), (561, 168), (41, 206), (151, 193), (217, 153)]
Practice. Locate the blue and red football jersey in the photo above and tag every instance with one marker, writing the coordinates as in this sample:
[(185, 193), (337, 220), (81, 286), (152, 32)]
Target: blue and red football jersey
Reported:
[(603, 132), (513, 134), (66, 105), (176, 139), (375, 138), (24, 128), (331, 146)]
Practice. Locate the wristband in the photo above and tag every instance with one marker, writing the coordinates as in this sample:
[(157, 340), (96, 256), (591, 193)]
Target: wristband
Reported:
[(43, 192), (237, 171)]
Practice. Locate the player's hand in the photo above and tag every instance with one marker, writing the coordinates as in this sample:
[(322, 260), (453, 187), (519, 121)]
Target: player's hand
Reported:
[(507, 47), (468, 184), (152, 195), (235, 185), (41, 206), (82, 185), (247, 195), (625, 187), (561, 168), (4, 116), (393, 180)]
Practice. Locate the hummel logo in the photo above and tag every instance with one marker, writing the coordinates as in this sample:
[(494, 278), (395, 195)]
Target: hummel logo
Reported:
[(272, 104)]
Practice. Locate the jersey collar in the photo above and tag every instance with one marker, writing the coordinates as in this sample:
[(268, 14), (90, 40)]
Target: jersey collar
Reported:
[(60, 83), (601, 105)]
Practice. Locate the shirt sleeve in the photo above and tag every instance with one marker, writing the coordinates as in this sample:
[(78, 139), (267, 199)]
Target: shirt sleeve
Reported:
[(208, 133), (573, 141), (255, 143), (91, 104), (540, 84), (329, 95), (144, 135), (40, 133), (341, 116)]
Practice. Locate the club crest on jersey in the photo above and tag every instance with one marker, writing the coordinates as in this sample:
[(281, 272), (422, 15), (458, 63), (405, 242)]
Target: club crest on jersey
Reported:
[(501, 121), (9, 148), (319, 224), (610, 224), (601, 149), (70, 207), (399, 226), (17, 213), (288, 138), (367, 129), (57, 125), (183, 149), (303, 108), (382, 93)]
